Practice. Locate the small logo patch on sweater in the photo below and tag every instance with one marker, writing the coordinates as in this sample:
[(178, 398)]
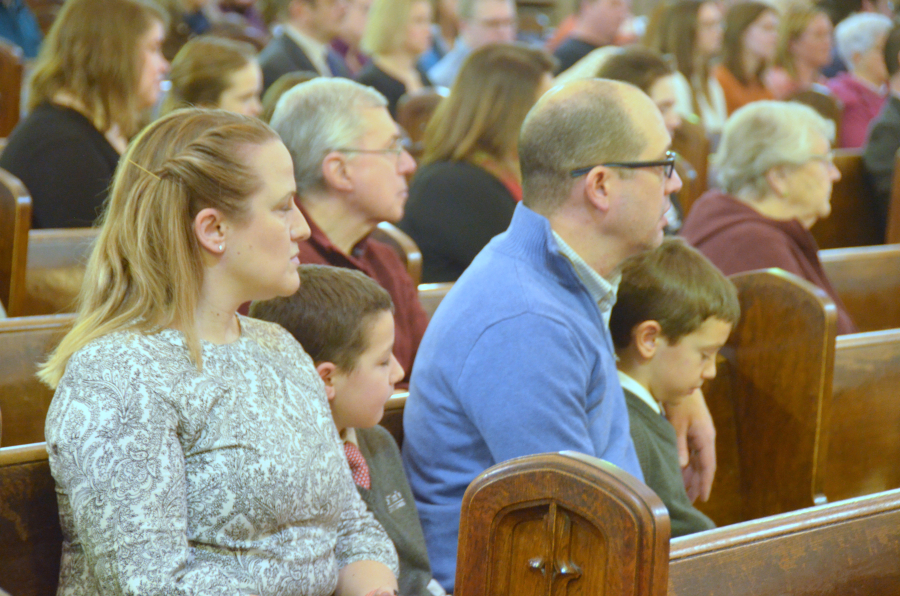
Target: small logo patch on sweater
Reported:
[(395, 501)]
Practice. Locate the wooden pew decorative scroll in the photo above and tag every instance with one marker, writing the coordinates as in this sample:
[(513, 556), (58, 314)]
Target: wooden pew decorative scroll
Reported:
[(561, 523)]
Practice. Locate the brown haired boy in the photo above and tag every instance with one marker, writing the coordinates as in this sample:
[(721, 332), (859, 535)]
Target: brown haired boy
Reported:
[(344, 320), (673, 312)]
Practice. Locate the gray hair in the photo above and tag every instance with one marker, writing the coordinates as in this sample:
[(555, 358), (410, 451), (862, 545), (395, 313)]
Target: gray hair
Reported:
[(858, 33), (763, 135), (319, 116), (587, 127)]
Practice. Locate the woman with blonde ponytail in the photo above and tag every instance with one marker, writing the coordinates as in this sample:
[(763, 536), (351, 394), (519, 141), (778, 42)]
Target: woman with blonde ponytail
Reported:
[(192, 448)]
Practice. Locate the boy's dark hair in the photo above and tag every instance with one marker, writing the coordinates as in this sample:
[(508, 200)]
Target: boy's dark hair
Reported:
[(674, 285), (330, 314)]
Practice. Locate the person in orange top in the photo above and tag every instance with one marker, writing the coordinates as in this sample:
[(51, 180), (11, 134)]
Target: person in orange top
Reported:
[(751, 35)]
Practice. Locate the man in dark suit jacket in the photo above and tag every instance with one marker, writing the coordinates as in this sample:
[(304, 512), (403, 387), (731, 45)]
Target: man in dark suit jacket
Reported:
[(596, 24), (307, 28), (884, 132)]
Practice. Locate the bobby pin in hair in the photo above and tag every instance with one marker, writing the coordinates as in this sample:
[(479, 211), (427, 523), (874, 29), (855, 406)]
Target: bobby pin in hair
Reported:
[(137, 165)]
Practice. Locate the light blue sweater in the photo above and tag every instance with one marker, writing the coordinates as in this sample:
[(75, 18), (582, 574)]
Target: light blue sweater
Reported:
[(516, 361)]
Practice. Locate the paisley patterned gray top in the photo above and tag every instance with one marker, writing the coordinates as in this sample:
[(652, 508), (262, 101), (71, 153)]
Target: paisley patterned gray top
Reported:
[(227, 481)]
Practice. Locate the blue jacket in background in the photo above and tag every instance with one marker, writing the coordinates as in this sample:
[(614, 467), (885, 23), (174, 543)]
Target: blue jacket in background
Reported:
[(18, 26)]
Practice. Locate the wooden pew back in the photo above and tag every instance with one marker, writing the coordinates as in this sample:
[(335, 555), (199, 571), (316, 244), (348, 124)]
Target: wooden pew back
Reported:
[(430, 296), (868, 281), (403, 245), (11, 71), (771, 397), (15, 221), (24, 343), (864, 445), (854, 219), (851, 548), (56, 265), (561, 523), (30, 536)]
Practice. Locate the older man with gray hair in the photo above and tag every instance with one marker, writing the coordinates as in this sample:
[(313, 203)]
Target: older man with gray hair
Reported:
[(518, 358), (350, 166)]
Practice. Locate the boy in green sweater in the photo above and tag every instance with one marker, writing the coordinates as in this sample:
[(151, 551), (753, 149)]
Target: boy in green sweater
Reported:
[(674, 311), (344, 320)]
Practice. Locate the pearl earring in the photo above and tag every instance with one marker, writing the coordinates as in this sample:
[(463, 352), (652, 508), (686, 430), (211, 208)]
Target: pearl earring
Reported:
[(221, 247)]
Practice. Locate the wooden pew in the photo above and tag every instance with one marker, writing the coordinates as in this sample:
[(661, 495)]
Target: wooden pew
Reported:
[(814, 417), (30, 536), (404, 246), (56, 264), (12, 67), (854, 219), (864, 447), (692, 144), (430, 295), (839, 549), (561, 523), (15, 222), (768, 400), (24, 343), (570, 524), (868, 281)]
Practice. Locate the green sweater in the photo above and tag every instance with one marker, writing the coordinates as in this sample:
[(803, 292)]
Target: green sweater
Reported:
[(391, 502), (654, 441)]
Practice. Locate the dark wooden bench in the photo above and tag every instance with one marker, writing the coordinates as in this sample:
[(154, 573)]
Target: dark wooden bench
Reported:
[(15, 221), (854, 219), (569, 524), (430, 295), (803, 416), (868, 281), (767, 400), (24, 343), (56, 265), (30, 536)]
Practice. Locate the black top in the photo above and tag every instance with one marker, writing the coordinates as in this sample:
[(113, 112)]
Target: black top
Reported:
[(454, 210), (64, 162), (654, 442), (571, 51), (387, 85), (878, 155)]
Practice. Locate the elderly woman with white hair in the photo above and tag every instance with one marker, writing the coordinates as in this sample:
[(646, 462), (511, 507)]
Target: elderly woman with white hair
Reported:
[(776, 171), (863, 90)]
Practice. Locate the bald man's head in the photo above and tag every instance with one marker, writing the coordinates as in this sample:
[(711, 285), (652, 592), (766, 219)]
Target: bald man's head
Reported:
[(581, 123)]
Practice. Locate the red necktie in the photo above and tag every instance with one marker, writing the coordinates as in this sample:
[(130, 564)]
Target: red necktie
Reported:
[(358, 465)]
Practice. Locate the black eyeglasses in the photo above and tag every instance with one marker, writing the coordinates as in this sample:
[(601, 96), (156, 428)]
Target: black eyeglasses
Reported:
[(668, 165)]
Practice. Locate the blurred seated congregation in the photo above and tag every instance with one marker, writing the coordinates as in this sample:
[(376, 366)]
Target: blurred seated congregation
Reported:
[(430, 297)]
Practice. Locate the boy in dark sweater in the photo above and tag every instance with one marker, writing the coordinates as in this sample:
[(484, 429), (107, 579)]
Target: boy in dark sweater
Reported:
[(344, 320), (674, 311)]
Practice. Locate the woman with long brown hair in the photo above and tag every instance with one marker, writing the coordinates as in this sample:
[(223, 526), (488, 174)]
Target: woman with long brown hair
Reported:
[(751, 36), (469, 183), (193, 449), (98, 70)]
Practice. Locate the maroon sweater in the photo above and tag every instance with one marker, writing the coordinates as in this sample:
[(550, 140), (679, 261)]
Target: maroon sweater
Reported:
[(736, 238), (381, 263)]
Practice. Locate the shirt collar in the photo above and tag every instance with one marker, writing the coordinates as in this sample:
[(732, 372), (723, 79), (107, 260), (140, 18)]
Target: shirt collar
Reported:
[(601, 290), (639, 391), (349, 436), (314, 50)]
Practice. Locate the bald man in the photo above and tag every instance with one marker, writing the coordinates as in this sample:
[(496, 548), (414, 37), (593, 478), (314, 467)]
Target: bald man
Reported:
[(518, 358)]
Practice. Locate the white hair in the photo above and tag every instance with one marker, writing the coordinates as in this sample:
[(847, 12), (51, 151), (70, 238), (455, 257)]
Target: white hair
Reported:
[(858, 33), (319, 116), (763, 135)]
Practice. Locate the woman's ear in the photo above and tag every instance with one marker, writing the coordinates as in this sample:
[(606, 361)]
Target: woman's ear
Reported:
[(327, 371), (777, 179), (334, 170), (209, 227), (646, 337)]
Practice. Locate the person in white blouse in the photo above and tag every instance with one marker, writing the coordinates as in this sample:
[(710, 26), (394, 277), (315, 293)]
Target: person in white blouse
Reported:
[(193, 448)]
